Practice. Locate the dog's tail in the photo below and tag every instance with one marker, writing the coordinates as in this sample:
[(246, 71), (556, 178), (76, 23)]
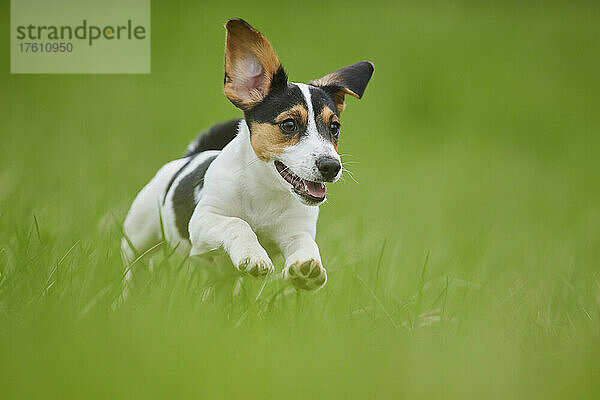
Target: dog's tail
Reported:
[(214, 138)]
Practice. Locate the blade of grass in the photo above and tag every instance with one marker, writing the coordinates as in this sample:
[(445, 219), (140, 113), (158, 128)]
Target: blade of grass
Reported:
[(379, 302)]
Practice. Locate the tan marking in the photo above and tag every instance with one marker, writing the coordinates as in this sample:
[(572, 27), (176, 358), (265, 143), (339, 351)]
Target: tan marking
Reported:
[(340, 102), (245, 49), (267, 140), (298, 112), (328, 116)]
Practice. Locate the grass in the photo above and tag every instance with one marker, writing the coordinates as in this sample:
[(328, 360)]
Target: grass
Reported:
[(463, 263)]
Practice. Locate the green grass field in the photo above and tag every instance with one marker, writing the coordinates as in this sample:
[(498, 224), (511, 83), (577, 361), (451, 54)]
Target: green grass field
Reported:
[(463, 258)]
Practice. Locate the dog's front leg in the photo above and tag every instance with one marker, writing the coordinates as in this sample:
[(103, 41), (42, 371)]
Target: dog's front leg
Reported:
[(303, 266), (209, 231)]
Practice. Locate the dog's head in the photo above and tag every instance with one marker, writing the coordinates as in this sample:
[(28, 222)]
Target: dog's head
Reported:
[(294, 127)]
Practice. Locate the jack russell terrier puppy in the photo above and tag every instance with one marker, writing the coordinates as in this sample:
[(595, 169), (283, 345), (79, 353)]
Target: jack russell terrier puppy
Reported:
[(260, 175)]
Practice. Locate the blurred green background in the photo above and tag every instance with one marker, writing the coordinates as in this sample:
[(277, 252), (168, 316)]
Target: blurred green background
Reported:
[(463, 262)]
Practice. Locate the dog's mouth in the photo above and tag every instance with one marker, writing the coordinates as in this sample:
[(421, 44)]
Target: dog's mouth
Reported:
[(311, 192)]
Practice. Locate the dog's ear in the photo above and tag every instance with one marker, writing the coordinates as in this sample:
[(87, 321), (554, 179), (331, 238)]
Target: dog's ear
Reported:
[(351, 80), (252, 69)]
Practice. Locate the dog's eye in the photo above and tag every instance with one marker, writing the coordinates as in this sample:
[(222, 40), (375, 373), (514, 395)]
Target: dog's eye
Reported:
[(334, 127), (288, 126)]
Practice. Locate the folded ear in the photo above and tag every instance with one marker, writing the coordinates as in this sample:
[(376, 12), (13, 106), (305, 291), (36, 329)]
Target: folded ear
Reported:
[(351, 80), (251, 66)]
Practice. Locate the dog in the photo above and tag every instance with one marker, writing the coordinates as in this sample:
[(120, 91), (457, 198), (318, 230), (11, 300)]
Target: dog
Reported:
[(262, 175)]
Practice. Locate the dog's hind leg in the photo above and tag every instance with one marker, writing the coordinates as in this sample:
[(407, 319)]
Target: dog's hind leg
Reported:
[(141, 232), (143, 226)]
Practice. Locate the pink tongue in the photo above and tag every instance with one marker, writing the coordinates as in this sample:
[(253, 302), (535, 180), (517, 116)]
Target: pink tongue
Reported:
[(315, 189)]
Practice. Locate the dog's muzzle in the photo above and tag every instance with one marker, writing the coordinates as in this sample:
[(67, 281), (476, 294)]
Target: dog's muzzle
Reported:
[(310, 191)]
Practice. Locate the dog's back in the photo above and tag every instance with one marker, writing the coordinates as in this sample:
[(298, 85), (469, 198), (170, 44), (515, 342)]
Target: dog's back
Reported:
[(173, 193), (214, 138)]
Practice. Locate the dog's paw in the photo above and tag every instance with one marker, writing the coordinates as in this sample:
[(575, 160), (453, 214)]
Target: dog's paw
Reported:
[(257, 267), (307, 275)]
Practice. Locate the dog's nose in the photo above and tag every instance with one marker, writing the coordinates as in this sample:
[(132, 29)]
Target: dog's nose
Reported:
[(328, 167)]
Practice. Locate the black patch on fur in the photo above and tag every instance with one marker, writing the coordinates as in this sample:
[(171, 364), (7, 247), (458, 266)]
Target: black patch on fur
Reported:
[(174, 177), (214, 138), (184, 201), (332, 92), (321, 98), (281, 98), (280, 79)]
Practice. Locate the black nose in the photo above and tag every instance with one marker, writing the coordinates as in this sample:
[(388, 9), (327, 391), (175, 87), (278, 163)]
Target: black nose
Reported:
[(328, 167)]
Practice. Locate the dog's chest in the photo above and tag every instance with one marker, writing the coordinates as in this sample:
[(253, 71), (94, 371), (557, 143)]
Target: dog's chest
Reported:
[(263, 214)]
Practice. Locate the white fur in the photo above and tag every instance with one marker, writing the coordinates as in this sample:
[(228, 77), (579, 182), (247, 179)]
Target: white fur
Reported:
[(142, 224), (243, 198)]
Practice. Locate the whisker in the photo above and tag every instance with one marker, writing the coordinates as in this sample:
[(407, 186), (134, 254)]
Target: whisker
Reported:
[(247, 165), (346, 169), (253, 161), (350, 174)]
